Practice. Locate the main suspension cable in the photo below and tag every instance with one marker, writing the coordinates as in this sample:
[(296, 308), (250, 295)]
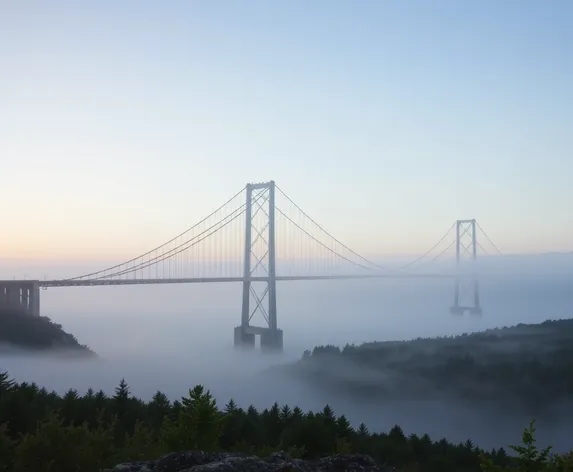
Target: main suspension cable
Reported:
[(332, 237), (161, 245)]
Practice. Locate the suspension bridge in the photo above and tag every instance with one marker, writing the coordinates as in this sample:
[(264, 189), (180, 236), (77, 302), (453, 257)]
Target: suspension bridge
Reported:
[(259, 237)]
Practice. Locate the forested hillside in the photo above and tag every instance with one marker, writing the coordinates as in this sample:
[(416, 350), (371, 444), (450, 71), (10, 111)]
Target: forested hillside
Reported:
[(37, 333), (41, 431), (528, 364)]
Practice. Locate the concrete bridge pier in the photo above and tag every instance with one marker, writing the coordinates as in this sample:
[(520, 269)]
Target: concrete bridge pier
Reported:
[(20, 297), (271, 339)]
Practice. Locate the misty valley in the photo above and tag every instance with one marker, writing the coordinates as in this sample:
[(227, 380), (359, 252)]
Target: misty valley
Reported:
[(525, 368), (523, 372)]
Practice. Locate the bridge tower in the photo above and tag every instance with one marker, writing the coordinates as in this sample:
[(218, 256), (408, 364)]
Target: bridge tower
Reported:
[(259, 258), (466, 288)]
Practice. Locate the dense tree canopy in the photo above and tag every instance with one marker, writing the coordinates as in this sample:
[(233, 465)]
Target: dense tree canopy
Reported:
[(41, 431), (529, 365)]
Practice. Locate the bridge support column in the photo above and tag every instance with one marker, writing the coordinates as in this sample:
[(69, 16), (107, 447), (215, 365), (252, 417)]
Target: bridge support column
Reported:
[(14, 299), (272, 340), (34, 300), (244, 339)]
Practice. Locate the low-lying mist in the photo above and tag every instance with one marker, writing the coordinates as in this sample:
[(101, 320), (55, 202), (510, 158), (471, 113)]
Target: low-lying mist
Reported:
[(243, 376), (171, 338)]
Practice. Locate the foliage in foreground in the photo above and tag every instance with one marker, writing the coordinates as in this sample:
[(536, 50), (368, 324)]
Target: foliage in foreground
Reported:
[(42, 431), (529, 458)]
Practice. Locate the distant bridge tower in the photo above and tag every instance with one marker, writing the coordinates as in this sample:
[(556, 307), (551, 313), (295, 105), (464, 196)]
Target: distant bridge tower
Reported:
[(466, 289), (259, 263)]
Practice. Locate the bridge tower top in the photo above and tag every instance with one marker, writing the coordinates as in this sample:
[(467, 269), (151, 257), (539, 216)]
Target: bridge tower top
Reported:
[(466, 239)]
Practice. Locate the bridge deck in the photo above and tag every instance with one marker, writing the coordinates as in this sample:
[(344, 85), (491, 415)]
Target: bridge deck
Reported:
[(100, 282)]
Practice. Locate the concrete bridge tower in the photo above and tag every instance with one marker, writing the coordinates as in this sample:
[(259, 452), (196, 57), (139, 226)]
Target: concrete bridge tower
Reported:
[(259, 253), (466, 288)]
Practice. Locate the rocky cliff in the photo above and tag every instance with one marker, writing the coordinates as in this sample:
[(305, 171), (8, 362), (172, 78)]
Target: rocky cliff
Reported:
[(197, 461)]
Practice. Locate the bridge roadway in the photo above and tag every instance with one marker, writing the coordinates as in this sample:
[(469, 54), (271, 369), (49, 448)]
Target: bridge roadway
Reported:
[(100, 282)]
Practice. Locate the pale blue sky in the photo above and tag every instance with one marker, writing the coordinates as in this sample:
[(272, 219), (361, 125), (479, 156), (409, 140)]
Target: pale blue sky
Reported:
[(121, 123)]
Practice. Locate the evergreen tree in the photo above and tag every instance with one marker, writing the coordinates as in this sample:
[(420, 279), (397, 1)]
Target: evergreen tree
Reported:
[(198, 423), (6, 384), (41, 431)]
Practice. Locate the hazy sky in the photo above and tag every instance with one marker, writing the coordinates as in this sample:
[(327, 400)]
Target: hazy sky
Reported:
[(122, 123)]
